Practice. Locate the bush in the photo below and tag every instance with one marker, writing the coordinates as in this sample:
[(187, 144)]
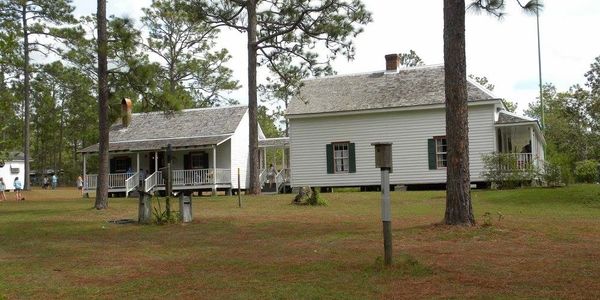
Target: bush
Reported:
[(309, 196), (586, 171), (503, 170), (553, 176)]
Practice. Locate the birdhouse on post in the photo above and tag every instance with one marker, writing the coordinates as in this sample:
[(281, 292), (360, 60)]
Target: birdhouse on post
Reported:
[(383, 160), (383, 155)]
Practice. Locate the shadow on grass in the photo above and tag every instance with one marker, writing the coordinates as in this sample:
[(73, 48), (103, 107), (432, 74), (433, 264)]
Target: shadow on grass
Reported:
[(403, 265)]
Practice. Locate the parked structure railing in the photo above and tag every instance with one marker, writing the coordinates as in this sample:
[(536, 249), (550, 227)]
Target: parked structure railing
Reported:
[(90, 182), (131, 183), (150, 182)]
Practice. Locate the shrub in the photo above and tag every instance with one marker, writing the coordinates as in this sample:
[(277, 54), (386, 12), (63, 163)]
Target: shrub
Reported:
[(586, 171), (553, 175), (309, 196), (503, 170)]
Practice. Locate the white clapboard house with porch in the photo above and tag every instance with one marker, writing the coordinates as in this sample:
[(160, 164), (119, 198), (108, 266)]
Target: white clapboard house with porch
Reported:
[(209, 146), (334, 120)]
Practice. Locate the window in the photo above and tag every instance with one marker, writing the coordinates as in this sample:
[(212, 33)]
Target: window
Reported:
[(341, 157), (199, 160), (441, 152), (121, 164)]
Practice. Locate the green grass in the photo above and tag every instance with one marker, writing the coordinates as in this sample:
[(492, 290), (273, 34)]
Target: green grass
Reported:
[(542, 243)]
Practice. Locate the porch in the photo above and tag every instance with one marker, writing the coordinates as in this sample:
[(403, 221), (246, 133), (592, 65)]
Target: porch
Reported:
[(194, 168), (520, 142), (274, 151), (183, 180)]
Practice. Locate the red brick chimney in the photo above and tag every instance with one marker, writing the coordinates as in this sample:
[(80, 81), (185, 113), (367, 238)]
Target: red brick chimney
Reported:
[(392, 61), (126, 107)]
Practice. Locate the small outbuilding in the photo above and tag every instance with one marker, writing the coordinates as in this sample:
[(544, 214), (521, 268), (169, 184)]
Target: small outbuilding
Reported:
[(11, 168)]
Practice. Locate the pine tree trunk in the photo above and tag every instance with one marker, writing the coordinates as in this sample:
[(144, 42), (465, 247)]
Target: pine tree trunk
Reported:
[(26, 88), (102, 188), (458, 190), (254, 186)]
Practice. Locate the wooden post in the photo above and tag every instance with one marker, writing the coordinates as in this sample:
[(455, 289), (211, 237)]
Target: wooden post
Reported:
[(239, 190), (137, 161), (85, 181), (386, 215), (283, 158), (383, 160), (169, 184), (169, 181), (214, 189), (155, 161)]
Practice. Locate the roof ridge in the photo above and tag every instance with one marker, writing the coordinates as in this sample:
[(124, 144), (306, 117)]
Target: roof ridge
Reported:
[(432, 66), (506, 112), (482, 88), (192, 109)]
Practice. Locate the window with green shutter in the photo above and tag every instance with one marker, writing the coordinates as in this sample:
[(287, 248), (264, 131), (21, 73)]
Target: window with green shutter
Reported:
[(437, 149), (341, 158)]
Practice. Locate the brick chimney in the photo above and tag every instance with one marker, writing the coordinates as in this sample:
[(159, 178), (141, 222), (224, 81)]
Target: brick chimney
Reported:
[(126, 107), (392, 61)]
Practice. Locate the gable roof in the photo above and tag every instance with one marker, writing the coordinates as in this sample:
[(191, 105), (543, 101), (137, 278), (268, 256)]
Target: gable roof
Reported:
[(505, 117), (187, 128), (408, 87)]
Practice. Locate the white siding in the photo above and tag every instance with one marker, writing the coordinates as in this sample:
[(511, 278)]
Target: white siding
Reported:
[(8, 177), (408, 130), (223, 155), (239, 153)]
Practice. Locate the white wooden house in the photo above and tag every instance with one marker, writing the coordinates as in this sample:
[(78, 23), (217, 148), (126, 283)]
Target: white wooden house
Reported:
[(209, 146), (334, 120), (13, 167)]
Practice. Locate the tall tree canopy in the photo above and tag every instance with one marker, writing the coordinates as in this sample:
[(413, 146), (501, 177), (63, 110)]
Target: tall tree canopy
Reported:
[(192, 73), (281, 31), (42, 25)]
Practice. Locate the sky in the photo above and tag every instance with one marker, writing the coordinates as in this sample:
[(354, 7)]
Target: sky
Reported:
[(505, 51)]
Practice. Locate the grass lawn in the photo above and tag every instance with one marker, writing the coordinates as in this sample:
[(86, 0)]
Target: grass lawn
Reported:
[(542, 243)]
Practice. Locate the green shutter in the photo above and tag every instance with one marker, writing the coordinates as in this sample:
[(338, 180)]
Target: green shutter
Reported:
[(431, 149), (352, 158), (329, 150)]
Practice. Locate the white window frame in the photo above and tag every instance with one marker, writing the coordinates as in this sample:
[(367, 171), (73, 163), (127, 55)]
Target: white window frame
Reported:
[(345, 157), (439, 142)]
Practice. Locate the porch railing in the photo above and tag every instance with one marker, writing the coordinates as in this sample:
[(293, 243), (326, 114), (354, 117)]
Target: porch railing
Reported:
[(150, 182), (281, 178), (518, 161), (90, 182), (131, 183), (117, 180), (198, 177), (180, 178)]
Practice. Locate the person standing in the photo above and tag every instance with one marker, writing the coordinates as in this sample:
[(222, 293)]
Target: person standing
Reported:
[(45, 183), (80, 185), (271, 176), (2, 188), (54, 181), (18, 187)]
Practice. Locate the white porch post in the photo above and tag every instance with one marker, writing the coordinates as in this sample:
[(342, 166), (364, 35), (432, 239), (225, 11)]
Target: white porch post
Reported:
[(85, 183), (265, 160), (137, 162), (283, 158), (214, 158), (155, 161), (532, 144)]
